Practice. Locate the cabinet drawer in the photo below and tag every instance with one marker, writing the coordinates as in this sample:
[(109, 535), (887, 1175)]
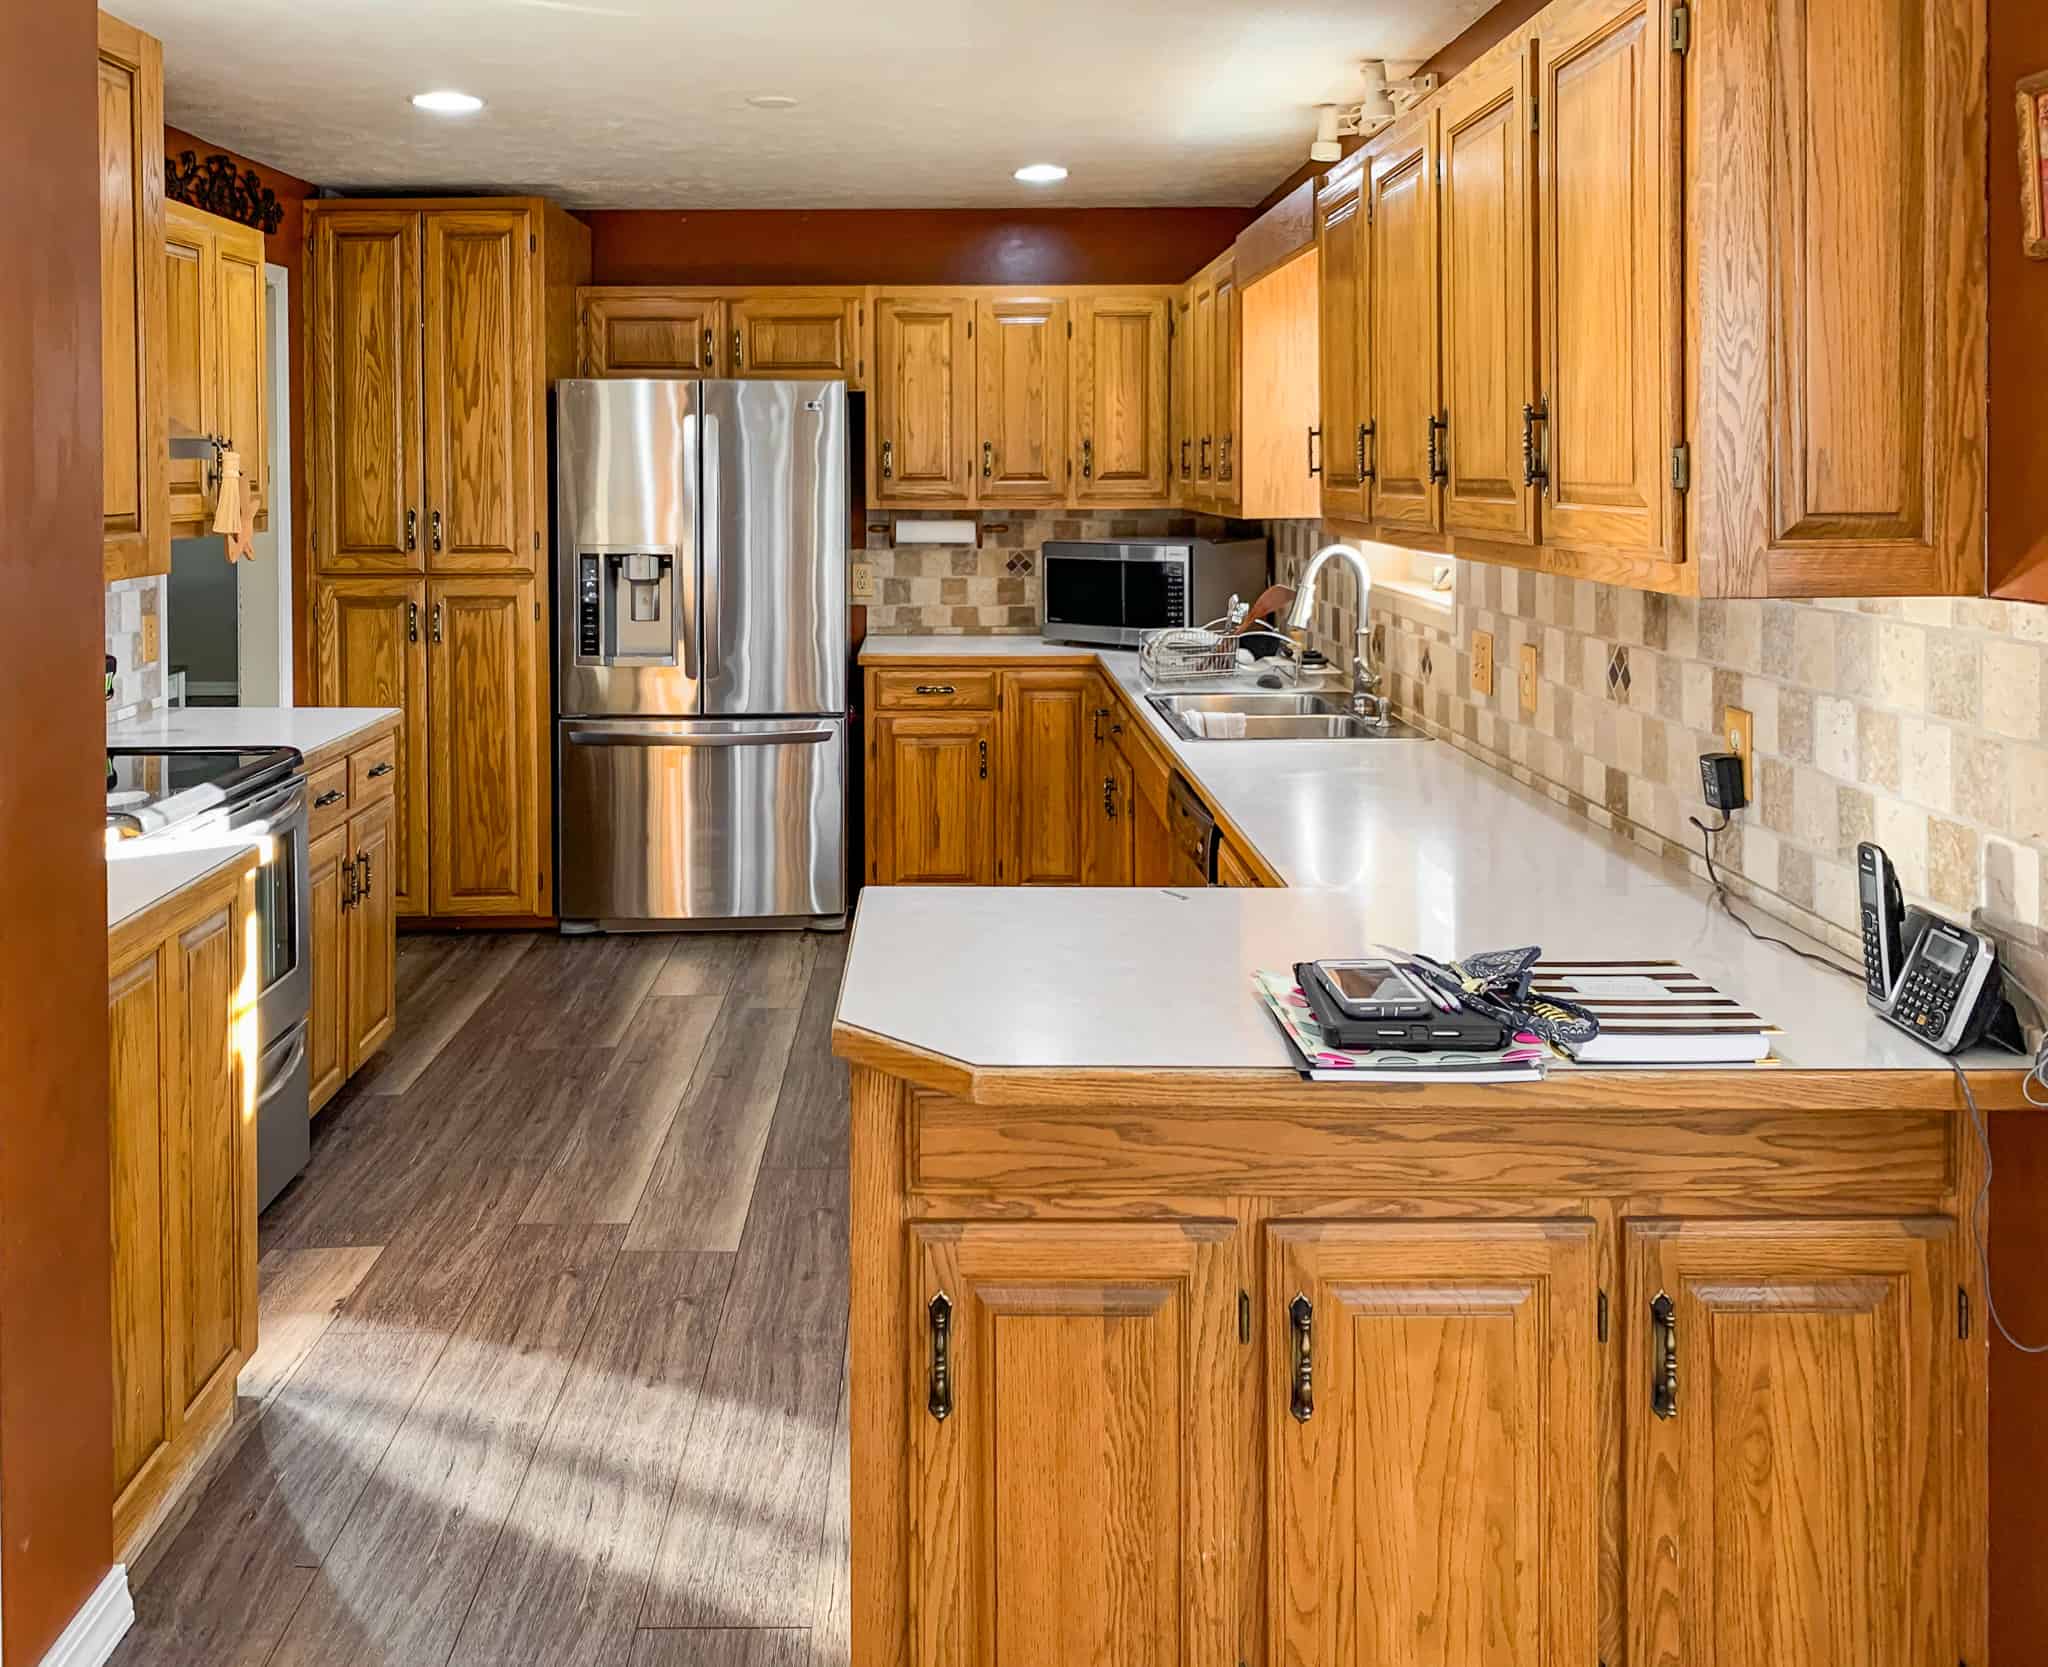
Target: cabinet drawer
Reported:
[(327, 797), (373, 772), (934, 690)]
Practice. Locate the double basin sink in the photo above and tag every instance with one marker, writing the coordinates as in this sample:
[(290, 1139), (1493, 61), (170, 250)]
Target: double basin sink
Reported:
[(1248, 715)]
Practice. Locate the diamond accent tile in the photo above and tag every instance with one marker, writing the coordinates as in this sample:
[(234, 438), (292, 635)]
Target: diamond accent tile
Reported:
[(1019, 564), (1618, 679)]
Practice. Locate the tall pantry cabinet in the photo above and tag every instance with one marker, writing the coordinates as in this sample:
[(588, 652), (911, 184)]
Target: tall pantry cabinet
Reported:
[(436, 328)]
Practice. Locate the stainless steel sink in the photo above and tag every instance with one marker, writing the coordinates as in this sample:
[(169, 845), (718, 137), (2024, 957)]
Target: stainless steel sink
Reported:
[(1249, 715)]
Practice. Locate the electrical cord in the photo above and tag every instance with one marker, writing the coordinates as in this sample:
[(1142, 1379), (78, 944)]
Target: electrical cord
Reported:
[(2039, 1074)]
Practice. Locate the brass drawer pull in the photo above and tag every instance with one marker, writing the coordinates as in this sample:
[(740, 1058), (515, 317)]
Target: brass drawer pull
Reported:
[(983, 746), (936, 689), (332, 796), (383, 769), (1534, 471), (1439, 452), (1368, 431), (888, 460), (1301, 1317), (434, 529), (939, 1399), (1087, 459), (412, 528), (708, 349), (412, 619), (988, 459), (1663, 1356)]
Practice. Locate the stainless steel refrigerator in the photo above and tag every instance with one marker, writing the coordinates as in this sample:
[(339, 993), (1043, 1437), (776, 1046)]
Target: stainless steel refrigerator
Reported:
[(701, 736)]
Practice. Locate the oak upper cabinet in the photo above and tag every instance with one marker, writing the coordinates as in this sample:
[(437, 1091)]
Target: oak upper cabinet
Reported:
[(1343, 256), (1275, 454), (370, 649), (1836, 184), (484, 797), (1181, 436), (214, 367), (1214, 372), (1201, 376), (1406, 388), (1792, 1420), (1071, 1444), (922, 433), (932, 785), (1020, 360), (1119, 372), (1486, 205), (135, 528), (650, 332), (797, 337), (1048, 735), (1608, 315), (1435, 1439), (183, 1175)]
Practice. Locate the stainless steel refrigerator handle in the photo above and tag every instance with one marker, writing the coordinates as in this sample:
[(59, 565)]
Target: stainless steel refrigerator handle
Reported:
[(688, 587), (708, 552), (641, 738)]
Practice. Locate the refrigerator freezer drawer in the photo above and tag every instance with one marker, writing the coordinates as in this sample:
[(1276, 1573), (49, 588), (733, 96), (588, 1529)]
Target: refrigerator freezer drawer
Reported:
[(704, 819)]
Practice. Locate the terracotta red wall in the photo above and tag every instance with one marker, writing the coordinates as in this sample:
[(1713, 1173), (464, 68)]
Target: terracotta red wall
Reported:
[(285, 247), (907, 246), (2018, 335), (56, 1368)]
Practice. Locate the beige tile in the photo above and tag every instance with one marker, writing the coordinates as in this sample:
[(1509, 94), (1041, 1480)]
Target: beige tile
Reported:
[(1902, 831), (1795, 724), (1952, 864), (1926, 751), (1853, 664), (1953, 677), (1979, 777), (1877, 747), (2012, 689), (1813, 647), (2012, 881), (1834, 737), (1902, 666), (1773, 789), (1857, 815), (2030, 794), (1816, 822)]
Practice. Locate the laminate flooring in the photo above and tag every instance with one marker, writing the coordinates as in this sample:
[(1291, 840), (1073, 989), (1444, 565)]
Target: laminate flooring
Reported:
[(553, 1332)]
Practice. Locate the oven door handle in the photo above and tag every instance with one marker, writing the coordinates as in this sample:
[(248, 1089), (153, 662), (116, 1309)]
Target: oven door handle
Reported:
[(278, 804), (287, 1071), (641, 738)]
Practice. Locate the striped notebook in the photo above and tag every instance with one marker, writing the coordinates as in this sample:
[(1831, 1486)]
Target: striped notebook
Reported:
[(1655, 1013)]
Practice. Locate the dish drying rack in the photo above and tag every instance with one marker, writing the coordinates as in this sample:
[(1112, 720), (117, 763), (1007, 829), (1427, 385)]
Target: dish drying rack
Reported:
[(1182, 653)]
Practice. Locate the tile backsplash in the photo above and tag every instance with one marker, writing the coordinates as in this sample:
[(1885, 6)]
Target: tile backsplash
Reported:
[(135, 620), (1920, 723), (956, 589)]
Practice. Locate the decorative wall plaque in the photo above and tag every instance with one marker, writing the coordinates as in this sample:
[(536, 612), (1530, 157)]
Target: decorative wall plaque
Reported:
[(217, 186)]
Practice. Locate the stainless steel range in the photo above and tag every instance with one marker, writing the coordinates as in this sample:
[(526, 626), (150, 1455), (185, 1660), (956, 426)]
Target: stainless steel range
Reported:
[(199, 797), (702, 669)]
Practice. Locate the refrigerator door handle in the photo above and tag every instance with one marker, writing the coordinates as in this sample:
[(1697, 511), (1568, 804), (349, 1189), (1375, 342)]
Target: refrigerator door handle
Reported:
[(689, 587), (643, 738), (709, 554)]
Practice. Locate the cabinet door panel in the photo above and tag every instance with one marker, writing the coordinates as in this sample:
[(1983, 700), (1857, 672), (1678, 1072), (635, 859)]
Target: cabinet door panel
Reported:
[(1202, 362), (1076, 1502), (207, 1196), (1224, 407), (1021, 365), (1181, 434), (1119, 383), (371, 1005), (370, 649), (1342, 250), (1608, 213), (364, 392), (244, 375), (1488, 276), (479, 392), (1794, 1508), (796, 336), (135, 531), (650, 333), (142, 1040), (190, 353), (327, 1063), (482, 748), (935, 799), (1047, 739), (1406, 392), (1438, 1504), (924, 401)]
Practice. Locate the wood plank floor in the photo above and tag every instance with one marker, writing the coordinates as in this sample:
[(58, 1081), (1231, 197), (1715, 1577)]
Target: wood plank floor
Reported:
[(553, 1363)]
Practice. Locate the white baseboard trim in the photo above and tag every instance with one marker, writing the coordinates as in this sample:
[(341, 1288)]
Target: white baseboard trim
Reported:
[(100, 1624)]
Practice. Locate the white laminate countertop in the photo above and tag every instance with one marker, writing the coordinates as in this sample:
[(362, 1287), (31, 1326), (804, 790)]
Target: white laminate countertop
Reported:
[(139, 877), (309, 728), (1407, 843)]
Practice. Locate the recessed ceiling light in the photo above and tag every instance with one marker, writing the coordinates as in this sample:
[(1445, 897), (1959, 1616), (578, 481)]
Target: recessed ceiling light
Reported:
[(446, 101), (1040, 173), (772, 101)]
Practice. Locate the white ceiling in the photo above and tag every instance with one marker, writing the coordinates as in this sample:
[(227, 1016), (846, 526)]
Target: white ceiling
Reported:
[(904, 103)]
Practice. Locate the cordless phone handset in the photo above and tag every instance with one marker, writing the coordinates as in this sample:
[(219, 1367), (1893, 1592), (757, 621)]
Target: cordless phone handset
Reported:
[(1881, 914)]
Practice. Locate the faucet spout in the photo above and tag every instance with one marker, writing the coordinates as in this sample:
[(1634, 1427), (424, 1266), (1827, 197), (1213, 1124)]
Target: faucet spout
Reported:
[(1365, 678)]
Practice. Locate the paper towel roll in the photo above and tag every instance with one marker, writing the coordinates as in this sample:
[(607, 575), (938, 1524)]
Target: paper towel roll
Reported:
[(935, 532)]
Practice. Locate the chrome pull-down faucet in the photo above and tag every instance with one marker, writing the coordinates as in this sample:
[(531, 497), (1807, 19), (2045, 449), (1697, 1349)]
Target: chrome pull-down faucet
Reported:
[(1366, 700)]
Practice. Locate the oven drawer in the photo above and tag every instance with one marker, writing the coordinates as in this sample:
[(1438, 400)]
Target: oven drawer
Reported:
[(942, 690)]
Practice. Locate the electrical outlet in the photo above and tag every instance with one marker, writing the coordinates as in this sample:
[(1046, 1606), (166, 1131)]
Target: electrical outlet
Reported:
[(1482, 662), (1527, 679), (1738, 728), (865, 588), (150, 644)]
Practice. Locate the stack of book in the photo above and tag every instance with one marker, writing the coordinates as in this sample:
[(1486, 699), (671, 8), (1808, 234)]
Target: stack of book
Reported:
[(1520, 1061), (1655, 1013)]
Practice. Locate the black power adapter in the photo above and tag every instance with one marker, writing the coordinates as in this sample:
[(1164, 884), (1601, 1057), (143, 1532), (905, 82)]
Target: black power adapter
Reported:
[(1721, 781)]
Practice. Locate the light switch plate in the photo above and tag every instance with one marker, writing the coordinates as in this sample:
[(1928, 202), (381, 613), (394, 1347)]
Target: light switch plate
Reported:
[(1739, 730), (1526, 679), (1482, 662), (150, 644), (865, 587)]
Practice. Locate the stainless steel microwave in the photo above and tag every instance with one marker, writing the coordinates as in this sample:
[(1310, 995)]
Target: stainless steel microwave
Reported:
[(1107, 593)]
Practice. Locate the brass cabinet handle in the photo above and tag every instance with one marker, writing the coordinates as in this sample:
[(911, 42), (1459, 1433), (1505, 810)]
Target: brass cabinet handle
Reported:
[(383, 769), (412, 529), (1109, 797), (434, 529), (888, 460), (1301, 1316), (362, 874), (1439, 464), (1223, 458), (412, 620), (1368, 431), (332, 796), (348, 886), (1203, 468), (1087, 459), (1098, 715), (1663, 1356), (708, 348), (1185, 443), (1314, 434), (983, 747), (939, 1399), (1534, 471), (935, 689), (739, 357), (437, 622), (988, 459)]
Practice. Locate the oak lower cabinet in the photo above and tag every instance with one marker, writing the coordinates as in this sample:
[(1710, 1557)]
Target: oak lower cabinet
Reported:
[(1075, 1494), (354, 925), (1048, 727), (215, 375), (183, 1175), (932, 800)]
